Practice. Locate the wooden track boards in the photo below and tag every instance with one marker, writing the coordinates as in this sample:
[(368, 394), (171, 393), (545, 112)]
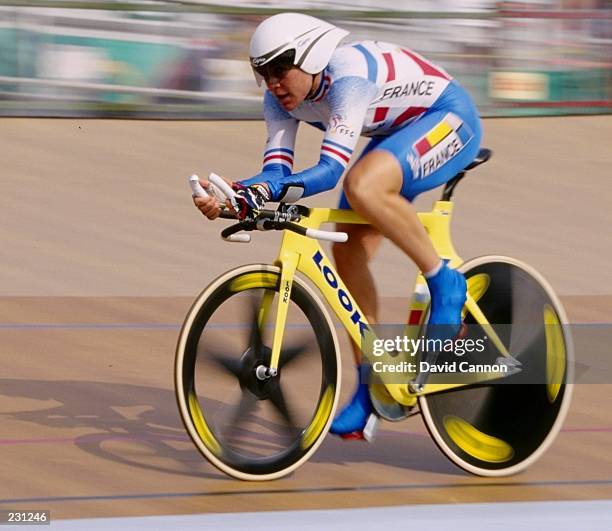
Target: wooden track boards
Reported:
[(103, 253)]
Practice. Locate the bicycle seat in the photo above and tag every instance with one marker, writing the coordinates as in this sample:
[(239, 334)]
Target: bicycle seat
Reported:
[(483, 155)]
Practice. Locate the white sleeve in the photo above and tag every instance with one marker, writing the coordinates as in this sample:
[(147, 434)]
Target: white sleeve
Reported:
[(282, 130), (349, 100)]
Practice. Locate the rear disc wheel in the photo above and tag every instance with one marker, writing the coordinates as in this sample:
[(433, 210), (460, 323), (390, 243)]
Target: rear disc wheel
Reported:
[(501, 427)]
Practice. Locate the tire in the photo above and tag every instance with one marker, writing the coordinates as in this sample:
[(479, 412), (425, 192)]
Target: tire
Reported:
[(501, 427), (248, 427)]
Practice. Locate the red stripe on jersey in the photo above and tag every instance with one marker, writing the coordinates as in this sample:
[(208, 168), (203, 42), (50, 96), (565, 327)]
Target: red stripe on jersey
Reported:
[(341, 155), (411, 112), (428, 68), (380, 114), (323, 87), (284, 157), (320, 96), (390, 67)]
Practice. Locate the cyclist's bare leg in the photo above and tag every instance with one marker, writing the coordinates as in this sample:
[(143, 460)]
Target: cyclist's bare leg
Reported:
[(373, 189), (352, 260)]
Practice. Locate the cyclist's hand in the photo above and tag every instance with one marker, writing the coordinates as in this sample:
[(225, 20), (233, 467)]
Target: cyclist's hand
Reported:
[(248, 199), (209, 206)]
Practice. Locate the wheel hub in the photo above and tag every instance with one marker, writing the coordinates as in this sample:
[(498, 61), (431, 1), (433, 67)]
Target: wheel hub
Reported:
[(250, 362)]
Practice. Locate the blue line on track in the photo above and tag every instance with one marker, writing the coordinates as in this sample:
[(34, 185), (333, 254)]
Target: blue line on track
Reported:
[(255, 492)]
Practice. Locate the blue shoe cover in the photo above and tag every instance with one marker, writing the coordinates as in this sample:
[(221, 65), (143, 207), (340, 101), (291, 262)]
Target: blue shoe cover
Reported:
[(355, 414), (448, 293)]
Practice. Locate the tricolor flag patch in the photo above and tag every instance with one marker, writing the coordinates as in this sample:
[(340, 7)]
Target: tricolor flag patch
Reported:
[(440, 144), (336, 151), (283, 156)]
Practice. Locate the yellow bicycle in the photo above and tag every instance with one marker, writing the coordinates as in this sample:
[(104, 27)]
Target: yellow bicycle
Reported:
[(257, 370)]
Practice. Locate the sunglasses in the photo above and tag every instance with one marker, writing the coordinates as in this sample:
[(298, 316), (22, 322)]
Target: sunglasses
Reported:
[(278, 67)]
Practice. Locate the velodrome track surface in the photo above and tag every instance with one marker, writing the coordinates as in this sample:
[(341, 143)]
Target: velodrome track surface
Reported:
[(102, 254)]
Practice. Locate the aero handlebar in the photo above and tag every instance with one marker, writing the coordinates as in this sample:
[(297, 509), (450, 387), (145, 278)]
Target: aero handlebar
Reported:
[(264, 220)]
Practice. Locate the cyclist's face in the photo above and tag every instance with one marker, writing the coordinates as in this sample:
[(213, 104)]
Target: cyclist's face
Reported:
[(290, 85)]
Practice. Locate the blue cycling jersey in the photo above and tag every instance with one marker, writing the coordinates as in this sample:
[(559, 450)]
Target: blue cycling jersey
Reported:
[(373, 89)]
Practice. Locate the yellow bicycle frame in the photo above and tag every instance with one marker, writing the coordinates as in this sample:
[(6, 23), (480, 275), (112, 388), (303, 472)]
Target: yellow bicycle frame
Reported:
[(303, 254)]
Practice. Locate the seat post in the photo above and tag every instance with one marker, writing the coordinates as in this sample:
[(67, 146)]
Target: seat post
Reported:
[(449, 188), (483, 155)]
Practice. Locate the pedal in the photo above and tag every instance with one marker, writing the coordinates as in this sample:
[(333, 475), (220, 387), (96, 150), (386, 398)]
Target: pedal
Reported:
[(513, 365), (371, 428)]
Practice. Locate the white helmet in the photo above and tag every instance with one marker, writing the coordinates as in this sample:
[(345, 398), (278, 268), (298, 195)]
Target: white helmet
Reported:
[(312, 40)]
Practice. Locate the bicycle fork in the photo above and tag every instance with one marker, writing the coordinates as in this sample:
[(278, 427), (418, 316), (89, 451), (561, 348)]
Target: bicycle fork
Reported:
[(288, 265)]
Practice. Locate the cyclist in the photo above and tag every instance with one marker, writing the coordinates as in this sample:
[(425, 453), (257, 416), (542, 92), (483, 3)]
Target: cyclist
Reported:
[(424, 129)]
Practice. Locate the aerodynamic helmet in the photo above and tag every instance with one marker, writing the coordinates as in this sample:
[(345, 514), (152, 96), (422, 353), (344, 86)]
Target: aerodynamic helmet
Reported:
[(293, 39)]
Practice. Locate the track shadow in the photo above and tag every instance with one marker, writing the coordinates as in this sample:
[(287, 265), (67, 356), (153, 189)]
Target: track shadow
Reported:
[(409, 451), (137, 426), (140, 426)]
